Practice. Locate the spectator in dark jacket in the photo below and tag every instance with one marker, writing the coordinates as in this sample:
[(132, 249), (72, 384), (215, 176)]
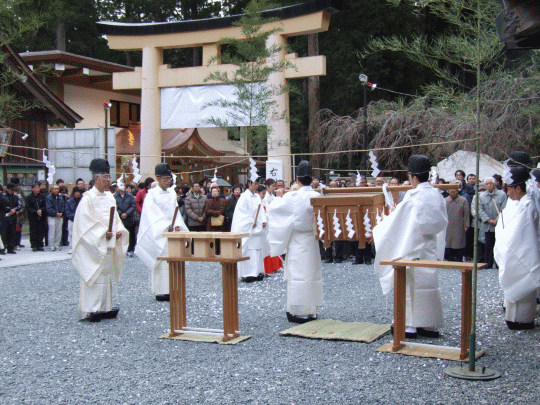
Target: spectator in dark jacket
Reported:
[(231, 205), (55, 204), (9, 206), (71, 208), (194, 205), (35, 207), (125, 206)]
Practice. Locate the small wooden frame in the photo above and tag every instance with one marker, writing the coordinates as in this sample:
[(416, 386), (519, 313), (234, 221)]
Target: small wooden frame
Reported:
[(340, 204), (202, 245), (400, 276), (179, 252)]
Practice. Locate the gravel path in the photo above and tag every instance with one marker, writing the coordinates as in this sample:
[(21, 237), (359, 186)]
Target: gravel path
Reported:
[(46, 356)]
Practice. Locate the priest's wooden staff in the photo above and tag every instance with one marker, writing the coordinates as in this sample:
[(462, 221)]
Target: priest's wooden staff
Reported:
[(174, 216), (256, 216), (111, 219)]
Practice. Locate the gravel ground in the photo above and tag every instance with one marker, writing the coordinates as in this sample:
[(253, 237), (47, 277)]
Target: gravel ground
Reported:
[(46, 356)]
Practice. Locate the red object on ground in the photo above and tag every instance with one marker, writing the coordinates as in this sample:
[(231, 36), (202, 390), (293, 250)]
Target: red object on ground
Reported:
[(272, 264)]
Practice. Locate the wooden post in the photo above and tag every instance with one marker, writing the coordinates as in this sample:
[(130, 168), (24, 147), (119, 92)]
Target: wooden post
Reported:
[(174, 216), (400, 278), (466, 303)]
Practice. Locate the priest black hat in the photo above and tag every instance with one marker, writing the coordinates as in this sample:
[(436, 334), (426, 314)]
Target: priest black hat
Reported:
[(536, 175), (304, 169), (520, 158), (519, 175), (100, 166), (163, 169), (418, 164)]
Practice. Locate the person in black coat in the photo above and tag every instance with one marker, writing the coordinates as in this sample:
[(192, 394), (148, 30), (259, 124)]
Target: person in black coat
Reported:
[(55, 204), (35, 208), (125, 206), (9, 206)]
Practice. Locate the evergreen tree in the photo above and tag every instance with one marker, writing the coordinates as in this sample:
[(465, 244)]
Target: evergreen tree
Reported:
[(253, 107)]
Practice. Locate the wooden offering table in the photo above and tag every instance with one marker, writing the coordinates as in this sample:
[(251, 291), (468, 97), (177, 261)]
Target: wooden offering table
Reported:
[(222, 247), (347, 212), (400, 266)]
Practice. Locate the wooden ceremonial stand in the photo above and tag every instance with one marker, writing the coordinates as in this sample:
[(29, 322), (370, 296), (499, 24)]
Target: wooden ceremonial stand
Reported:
[(201, 247), (400, 277)]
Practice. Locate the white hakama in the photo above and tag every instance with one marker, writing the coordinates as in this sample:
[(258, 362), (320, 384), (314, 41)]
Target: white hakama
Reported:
[(97, 259), (517, 252), (291, 232), (157, 214), (415, 229)]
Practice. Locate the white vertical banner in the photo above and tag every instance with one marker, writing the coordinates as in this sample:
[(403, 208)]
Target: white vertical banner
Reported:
[(274, 169)]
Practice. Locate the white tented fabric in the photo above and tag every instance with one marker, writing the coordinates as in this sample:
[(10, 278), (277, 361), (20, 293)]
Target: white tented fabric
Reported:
[(187, 107)]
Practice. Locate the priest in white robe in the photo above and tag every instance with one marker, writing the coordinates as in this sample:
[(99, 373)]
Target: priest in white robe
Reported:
[(291, 232), (249, 217), (156, 218), (517, 250), (98, 255), (416, 229)]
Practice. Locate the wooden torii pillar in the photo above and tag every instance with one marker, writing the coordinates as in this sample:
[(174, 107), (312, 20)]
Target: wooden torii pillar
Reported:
[(153, 38)]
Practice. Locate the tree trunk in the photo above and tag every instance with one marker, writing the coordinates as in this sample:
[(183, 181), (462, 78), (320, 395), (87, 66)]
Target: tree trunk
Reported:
[(314, 101), (60, 36)]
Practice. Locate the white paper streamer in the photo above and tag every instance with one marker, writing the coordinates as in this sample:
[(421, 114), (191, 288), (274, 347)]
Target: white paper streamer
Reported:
[(434, 175), (374, 164), (120, 182), (337, 227), (214, 179), (320, 224), (50, 168), (367, 224), (253, 176), (378, 217), (135, 169), (388, 198), (350, 226), (358, 178), (507, 174), (173, 179)]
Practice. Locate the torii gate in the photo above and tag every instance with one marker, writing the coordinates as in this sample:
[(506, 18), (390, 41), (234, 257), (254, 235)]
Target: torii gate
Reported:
[(152, 38)]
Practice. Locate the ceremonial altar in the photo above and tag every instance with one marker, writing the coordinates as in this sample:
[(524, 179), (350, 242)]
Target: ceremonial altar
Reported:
[(221, 247), (399, 345), (346, 213), (343, 216)]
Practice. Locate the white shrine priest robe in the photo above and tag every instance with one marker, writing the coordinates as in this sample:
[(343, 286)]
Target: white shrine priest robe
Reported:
[(415, 229), (252, 246), (96, 258), (517, 252), (156, 216), (291, 232)]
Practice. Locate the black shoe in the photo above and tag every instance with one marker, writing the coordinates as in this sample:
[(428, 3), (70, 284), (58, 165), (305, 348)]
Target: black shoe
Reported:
[(92, 317), (408, 335), (163, 297), (338, 260), (260, 277), (41, 249), (313, 317), (328, 261), (368, 262), (12, 252), (110, 314), (2, 251), (519, 325), (34, 249), (21, 246), (249, 279), (357, 262), (428, 333), (296, 319)]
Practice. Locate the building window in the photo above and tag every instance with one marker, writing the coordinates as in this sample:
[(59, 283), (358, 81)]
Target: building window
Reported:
[(122, 112)]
